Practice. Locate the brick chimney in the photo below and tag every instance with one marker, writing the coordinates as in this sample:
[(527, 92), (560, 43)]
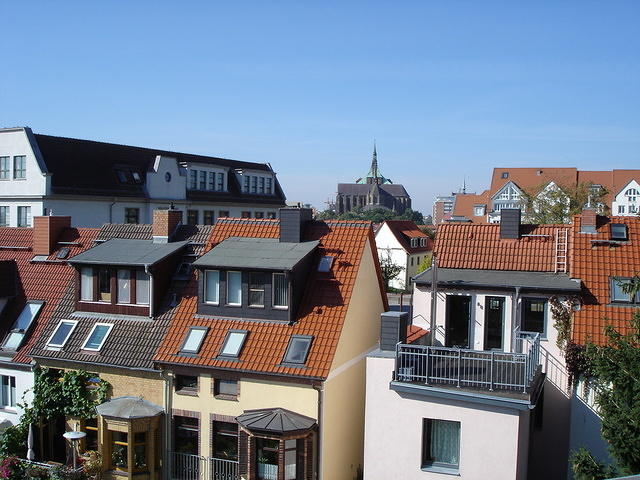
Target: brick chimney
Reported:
[(165, 223), (292, 222), (393, 329), (510, 223), (588, 220), (46, 231)]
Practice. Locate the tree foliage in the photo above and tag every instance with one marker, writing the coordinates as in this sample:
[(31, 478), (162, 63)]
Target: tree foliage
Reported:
[(615, 376), (388, 269), (425, 263), (558, 203), (375, 215)]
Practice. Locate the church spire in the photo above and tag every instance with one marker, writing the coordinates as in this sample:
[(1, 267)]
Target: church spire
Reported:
[(374, 163)]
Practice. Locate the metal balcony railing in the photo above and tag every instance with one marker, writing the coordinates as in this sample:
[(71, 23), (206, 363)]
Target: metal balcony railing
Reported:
[(457, 367), (184, 466)]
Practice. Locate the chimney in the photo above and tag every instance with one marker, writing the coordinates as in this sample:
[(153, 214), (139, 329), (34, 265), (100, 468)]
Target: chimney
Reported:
[(292, 222), (588, 220), (393, 329), (510, 223), (165, 223), (46, 230)]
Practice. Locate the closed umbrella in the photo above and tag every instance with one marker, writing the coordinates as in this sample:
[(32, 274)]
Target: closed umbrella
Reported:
[(31, 454)]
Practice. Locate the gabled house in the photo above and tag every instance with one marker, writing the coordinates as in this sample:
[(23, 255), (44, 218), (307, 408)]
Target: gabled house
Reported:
[(491, 369), (98, 182), (116, 307), (266, 350), (402, 243), (28, 256)]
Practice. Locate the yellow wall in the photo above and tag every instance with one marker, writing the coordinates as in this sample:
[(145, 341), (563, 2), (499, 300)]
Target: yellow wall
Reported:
[(254, 394), (342, 429)]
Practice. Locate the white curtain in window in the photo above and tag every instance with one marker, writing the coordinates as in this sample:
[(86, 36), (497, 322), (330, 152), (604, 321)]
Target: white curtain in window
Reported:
[(86, 284), (124, 286), (234, 288), (212, 286), (280, 290), (445, 442), (142, 288)]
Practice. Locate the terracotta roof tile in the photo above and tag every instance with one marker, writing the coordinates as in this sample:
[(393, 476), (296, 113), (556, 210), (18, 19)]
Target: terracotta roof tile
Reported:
[(464, 203), (595, 264), (404, 231), (321, 314)]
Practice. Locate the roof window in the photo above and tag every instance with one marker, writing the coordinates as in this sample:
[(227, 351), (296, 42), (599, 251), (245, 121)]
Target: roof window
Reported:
[(618, 231), (193, 340), (63, 253), (97, 337), (505, 174), (122, 176), (62, 333), (298, 349), (136, 177), (325, 263), (19, 328), (233, 343)]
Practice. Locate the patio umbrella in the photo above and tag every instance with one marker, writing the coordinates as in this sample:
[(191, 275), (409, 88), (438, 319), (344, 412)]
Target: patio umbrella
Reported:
[(31, 454)]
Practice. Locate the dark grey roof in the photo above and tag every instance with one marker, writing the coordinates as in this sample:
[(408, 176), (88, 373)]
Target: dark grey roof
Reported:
[(268, 253), (469, 278), (275, 420), (121, 251), (393, 189), (129, 407)]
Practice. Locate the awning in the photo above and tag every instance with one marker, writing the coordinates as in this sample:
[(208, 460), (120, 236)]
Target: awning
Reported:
[(129, 408), (276, 421)]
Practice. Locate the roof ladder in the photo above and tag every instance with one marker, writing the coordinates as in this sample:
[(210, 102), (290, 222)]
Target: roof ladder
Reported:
[(561, 250)]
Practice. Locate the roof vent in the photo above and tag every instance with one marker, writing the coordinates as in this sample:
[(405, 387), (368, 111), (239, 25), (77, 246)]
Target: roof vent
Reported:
[(539, 172), (510, 223)]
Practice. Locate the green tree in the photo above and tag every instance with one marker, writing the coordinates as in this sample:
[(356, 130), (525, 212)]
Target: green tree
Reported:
[(558, 203), (388, 269), (425, 263)]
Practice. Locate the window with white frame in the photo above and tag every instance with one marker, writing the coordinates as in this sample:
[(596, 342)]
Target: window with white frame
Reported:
[(414, 242), (440, 444), (233, 343), (142, 288), (298, 349), (631, 194), (212, 286), (280, 291), (478, 210), (61, 334), (22, 324), (193, 340), (24, 216), (618, 285), (621, 209), (8, 391), (257, 281), (19, 167), (97, 337), (4, 168), (234, 288), (4, 216)]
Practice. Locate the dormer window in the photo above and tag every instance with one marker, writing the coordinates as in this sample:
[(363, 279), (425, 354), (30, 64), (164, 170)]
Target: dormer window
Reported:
[(234, 288), (20, 327), (256, 289), (123, 293), (325, 264), (414, 242), (280, 291), (233, 343), (618, 231), (212, 286), (298, 349), (97, 337), (505, 174), (423, 242)]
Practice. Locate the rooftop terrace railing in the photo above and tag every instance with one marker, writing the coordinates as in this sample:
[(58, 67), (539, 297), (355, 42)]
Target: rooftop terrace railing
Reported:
[(458, 367)]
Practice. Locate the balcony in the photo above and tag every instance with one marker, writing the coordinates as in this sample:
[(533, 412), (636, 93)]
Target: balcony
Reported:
[(471, 372), (194, 467)]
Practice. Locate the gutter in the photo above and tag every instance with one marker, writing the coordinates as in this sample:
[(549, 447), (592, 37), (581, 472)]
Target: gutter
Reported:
[(168, 387), (515, 325), (320, 390)]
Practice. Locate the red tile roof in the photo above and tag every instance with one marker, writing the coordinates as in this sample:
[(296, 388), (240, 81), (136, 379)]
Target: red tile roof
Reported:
[(404, 231), (46, 281), (595, 265), (463, 204), (415, 333), (321, 314), (465, 245)]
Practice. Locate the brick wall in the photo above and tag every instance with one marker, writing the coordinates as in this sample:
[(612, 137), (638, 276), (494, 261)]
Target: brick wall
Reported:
[(46, 231)]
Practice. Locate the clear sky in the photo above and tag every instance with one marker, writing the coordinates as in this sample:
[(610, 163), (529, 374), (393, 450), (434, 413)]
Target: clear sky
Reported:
[(448, 89)]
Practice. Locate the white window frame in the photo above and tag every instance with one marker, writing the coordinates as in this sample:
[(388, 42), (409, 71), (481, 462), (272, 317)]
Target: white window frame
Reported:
[(183, 349), (61, 345), (23, 169), (27, 210), (239, 304), (206, 277), (19, 331), (5, 173), (7, 217), (12, 403), (104, 339), (273, 291), (235, 353)]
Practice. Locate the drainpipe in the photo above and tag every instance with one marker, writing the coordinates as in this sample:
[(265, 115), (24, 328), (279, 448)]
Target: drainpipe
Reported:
[(320, 390), (151, 306), (168, 387), (111, 210), (434, 299), (515, 324)]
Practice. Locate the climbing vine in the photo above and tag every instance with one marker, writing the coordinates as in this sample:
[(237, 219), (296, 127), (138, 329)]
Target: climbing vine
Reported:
[(562, 309)]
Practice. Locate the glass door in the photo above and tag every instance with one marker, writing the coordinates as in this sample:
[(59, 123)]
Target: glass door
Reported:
[(493, 323)]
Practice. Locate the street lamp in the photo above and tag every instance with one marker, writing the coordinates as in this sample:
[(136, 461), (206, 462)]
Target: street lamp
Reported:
[(74, 437)]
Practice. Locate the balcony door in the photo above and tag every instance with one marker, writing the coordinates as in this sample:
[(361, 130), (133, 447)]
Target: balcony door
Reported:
[(493, 323), (458, 318)]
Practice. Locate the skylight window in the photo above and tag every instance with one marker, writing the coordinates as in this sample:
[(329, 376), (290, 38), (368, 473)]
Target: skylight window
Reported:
[(21, 325), (193, 340), (97, 337), (62, 333), (136, 177), (298, 349), (122, 176), (618, 231), (233, 343), (63, 253), (325, 264)]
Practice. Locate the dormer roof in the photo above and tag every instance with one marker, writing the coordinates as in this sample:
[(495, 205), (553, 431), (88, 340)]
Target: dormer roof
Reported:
[(256, 253), (120, 251)]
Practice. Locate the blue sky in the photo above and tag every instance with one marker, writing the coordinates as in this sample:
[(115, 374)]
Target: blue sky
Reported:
[(449, 89)]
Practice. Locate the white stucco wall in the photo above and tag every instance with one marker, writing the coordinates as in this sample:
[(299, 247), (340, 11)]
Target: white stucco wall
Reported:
[(24, 393), (160, 185), (622, 200), (490, 437), (15, 142), (388, 246)]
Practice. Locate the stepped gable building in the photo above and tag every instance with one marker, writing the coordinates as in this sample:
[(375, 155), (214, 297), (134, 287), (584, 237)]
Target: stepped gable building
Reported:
[(372, 191), (97, 182), (508, 185)]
